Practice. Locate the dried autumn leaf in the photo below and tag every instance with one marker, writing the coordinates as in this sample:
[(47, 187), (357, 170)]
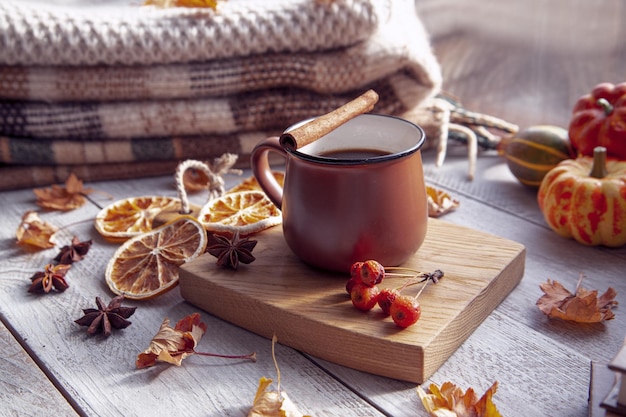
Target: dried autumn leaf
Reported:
[(172, 345), (35, 232), (450, 401), (65, 198), (439, 202), (584, 306), (272, 403)]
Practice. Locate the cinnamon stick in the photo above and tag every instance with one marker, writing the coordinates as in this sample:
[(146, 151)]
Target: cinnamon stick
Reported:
[(315, 129)]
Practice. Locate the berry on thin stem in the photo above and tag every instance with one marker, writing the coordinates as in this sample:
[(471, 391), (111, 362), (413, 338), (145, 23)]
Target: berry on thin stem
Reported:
[(406, 311), (364, 297), (386, 297), (371, 273), (365, 294)]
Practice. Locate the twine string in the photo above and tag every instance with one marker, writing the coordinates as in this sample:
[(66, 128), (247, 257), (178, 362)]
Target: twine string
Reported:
[(214, 171)]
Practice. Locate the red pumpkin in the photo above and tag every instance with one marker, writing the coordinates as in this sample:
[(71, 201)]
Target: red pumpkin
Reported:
[(599, 119)]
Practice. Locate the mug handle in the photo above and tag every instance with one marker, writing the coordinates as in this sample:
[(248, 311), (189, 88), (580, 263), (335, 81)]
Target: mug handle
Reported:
[(259, 161)]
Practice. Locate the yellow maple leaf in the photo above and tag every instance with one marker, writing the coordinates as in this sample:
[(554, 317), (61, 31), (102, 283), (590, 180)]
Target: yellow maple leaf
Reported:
[(450, 401), (35, 232), (584, 306), (65, 198)]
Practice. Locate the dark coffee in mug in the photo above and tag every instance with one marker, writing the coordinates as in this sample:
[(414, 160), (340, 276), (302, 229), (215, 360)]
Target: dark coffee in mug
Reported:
[(354, 153)]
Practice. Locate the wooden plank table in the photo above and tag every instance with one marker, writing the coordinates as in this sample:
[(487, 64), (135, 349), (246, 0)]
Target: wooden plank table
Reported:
[(532, 357), (515, 63)]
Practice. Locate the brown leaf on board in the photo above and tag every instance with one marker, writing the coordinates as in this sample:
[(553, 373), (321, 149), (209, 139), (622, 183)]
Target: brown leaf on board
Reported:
[(584, 306), (65, 198), (35, 232), (439, 202), (450, 401), (172, 345)]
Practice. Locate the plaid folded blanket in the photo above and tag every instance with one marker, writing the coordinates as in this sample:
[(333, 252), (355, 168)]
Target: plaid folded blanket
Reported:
[(274, 108), (31, 151), (119, 84)]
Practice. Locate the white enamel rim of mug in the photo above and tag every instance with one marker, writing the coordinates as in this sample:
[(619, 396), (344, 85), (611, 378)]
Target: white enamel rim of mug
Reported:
[(391, 134)]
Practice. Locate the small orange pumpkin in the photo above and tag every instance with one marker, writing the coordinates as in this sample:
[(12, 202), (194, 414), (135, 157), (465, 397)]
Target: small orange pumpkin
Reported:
[(585, 199)]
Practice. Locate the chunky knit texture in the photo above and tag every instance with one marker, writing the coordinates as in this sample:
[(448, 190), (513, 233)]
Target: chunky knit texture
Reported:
[(119, 84), (45, 34)]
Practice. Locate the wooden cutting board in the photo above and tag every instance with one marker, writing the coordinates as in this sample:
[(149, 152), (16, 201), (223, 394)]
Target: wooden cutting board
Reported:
[(309, 309)]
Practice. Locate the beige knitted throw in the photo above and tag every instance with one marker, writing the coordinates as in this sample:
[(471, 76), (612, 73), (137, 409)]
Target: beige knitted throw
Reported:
[(99, 88)]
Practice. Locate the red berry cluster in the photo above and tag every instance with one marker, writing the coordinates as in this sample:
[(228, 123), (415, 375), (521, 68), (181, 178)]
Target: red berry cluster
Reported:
[(365, 294)]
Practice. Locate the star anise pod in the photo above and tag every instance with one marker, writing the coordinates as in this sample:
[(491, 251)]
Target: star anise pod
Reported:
[(229, 252), (105, 317), (73, 252), (51, 277)]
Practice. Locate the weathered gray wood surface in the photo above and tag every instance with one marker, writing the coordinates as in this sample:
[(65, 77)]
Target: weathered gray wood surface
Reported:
[(532, 357), (24, 389), (526, 62)]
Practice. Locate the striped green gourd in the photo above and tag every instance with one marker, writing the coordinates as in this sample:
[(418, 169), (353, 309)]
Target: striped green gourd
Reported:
[(535, 151)]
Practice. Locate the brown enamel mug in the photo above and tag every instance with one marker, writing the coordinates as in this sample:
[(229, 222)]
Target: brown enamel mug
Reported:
[(355, 194)]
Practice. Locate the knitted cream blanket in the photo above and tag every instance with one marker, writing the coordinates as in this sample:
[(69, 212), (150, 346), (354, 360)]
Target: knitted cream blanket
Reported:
[(122, 32), (117, 83)]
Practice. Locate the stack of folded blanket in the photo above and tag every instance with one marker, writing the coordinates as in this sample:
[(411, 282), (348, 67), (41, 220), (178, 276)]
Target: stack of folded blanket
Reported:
[(121, 90)]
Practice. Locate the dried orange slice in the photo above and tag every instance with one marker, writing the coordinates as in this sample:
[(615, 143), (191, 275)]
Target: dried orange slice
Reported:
[(245, 212), (132, 216), (148, 264), (251, 184)]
